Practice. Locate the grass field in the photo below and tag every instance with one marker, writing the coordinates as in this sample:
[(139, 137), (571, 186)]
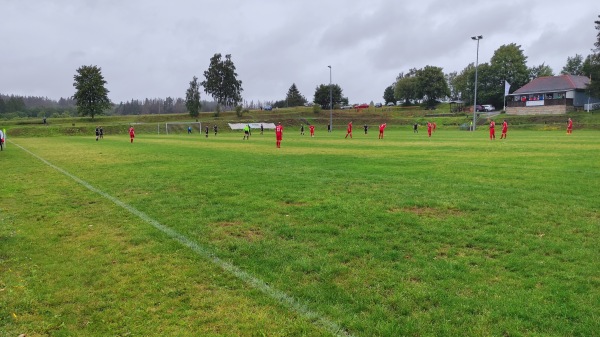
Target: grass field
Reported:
[(407, 236)]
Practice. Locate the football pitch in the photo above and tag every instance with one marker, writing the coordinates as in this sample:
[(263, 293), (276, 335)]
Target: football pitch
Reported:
[(453, 235)]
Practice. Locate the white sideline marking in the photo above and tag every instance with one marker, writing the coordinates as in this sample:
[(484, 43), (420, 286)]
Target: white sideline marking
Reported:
[(288, 301)]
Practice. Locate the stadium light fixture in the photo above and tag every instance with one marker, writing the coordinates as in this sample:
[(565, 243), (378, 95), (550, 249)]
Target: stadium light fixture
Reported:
[(330, 102), (476, 38)]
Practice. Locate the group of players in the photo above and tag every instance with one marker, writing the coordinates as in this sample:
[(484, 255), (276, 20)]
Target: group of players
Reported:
[(99, 131), (492, 128), (279, 131), (431, 127)]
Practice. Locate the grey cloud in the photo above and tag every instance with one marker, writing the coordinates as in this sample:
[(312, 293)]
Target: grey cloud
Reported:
[(153, 49)]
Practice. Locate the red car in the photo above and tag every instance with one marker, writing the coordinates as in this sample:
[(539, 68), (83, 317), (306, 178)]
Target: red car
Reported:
[(362, 106)]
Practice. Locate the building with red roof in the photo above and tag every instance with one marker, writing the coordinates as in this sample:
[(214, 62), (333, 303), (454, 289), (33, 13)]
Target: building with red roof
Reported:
[(550, 95)]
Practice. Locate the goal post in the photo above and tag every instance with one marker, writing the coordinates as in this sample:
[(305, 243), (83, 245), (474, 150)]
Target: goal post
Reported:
[(182, 127)]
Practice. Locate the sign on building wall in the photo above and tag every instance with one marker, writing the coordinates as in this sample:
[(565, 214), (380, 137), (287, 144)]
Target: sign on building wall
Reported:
[(534, 103)]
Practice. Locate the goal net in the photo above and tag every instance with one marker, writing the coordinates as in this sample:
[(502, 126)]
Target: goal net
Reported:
[(183, 127)]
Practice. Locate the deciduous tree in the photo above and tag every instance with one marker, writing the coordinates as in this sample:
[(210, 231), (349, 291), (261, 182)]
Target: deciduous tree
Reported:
[(221, 81), (91, 94), (406, 88), (574, 65), (540, 71), (388, 94), (509, 63), (450, 79), (464, 83), (322, 95), (487, 85), (431, 84)]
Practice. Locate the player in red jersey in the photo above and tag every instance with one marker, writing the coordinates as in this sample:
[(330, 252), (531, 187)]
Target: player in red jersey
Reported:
[(131, 134), (569, 126), (504, 129), (279, 133), (492, 130), (312, 130), (429, 128), (381, 129), (349, 131)]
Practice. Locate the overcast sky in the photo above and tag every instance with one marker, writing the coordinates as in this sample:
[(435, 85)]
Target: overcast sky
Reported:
[(152, 49)]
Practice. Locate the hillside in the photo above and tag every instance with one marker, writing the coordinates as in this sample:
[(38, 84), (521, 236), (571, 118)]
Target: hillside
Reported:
[(292, 117)]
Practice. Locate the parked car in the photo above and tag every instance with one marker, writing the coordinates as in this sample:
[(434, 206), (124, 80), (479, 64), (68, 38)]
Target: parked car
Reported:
[(362, 106), (268, 108), (344, 107), (391, 104), (378, 105), (488, 107), (479, 108)]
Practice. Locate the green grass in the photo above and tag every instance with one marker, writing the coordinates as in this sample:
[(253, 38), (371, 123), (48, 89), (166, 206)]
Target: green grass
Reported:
[(453, 235)]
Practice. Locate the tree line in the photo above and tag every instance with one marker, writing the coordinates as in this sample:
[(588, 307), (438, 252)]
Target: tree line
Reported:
[(33, 106)]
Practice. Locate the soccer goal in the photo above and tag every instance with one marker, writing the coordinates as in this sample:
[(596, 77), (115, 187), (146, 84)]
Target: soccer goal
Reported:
[(183, 127)]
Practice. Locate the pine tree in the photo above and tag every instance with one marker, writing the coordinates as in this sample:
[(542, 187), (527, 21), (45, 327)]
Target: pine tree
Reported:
[(192, 98), (294, 98)]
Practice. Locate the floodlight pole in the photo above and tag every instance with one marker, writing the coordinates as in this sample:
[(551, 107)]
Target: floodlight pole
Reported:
[(477, 38), (330, 102), (588, 105)]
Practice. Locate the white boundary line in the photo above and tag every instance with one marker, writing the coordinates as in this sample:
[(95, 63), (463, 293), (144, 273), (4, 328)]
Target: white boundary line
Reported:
[(288, 301)]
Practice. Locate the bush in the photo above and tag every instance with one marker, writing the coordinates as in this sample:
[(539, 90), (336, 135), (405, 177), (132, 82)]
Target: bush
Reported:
[(239, 111), (316, 108), (217, 110)]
